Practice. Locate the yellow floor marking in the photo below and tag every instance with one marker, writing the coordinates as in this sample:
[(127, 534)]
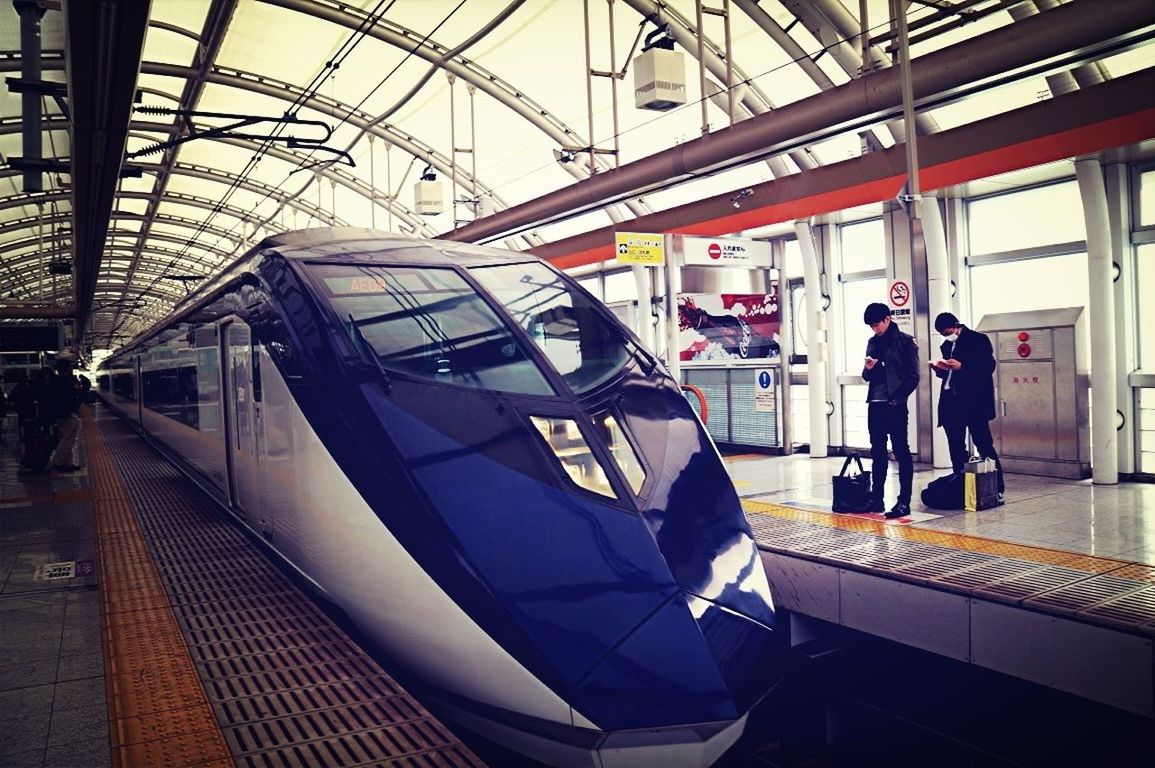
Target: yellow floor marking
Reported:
[(744, 457), (960, 541), (158, 712)]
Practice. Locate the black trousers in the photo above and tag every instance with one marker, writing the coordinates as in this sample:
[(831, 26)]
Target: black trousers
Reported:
[(956, 421), (886, 421)]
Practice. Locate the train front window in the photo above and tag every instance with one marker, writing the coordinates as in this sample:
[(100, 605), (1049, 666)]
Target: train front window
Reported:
[(565, 439), (584, 347), (431, 324)]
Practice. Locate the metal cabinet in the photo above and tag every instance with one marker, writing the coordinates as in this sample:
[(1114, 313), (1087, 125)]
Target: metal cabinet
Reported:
[(1042, 391)]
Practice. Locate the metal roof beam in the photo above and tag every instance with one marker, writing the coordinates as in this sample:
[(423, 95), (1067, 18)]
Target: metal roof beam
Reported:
[(1066, 36), (105, 43), (212, 36)]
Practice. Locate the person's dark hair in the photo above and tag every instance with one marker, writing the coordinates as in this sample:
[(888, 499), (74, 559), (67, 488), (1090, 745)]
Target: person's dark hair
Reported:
[(945, 320), (875, 313)]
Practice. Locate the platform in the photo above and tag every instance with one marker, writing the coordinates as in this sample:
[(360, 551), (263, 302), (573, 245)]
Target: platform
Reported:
[(138, 626), (1055, 587)]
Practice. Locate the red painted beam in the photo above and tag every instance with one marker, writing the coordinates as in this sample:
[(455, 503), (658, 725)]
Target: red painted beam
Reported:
[(1115, 113)]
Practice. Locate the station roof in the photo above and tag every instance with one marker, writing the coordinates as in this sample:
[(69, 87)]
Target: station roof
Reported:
[(175, 134)]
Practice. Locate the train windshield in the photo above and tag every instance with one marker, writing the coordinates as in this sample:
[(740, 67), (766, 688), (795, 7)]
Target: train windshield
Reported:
[(430, 323), (584, 347)]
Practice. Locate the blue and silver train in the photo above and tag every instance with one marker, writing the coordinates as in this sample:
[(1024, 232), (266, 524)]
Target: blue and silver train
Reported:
[(487, 473)]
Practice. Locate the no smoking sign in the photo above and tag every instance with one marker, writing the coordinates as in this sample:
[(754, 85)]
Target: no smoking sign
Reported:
[(899, 293)]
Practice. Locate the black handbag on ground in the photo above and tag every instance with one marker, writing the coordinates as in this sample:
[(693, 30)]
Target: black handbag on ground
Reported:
[(851, 492), (944, 493)]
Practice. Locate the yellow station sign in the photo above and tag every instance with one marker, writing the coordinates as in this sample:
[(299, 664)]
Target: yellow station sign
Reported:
[(640, 248)]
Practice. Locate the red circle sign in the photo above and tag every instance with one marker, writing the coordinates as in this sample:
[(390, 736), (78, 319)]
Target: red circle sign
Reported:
[(715, 251), (899, 293)]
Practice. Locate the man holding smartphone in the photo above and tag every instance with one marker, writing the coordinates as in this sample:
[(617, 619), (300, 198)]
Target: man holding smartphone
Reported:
[(967, 401), (891, 370)]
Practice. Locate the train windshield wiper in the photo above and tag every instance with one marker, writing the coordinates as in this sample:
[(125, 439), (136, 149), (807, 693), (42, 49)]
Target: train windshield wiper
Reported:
[(366, 349)]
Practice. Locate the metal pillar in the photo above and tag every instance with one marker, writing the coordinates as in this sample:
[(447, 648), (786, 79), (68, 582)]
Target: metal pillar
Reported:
[(645, 327), (30, 12), (673, 288), (1104, 410), (816, 362), (1126, 330), (938, 295)]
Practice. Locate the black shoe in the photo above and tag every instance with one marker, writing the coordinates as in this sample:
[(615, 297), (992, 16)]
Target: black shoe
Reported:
[(65, 467), (1001, 500), (875, 505), (901, 509)]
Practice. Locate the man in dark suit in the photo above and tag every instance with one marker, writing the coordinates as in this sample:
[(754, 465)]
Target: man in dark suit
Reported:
[(968, 392)]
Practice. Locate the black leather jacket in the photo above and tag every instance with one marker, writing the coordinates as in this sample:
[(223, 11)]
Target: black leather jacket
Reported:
[(897, 355)]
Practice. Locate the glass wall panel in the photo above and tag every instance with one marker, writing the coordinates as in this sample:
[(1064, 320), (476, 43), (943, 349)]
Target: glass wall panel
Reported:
[(1027, 219), (793, 259), (855, 296), (1145, 287), (593, 284), (1019, 286), (620, 286), (798, 319), (1147, 431), (863, 246), (1147, 199)]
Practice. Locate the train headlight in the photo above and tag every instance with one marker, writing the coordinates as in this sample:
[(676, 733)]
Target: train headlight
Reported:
[(564, 438)]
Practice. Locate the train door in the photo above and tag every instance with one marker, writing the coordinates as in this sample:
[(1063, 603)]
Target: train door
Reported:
[(243, 397)]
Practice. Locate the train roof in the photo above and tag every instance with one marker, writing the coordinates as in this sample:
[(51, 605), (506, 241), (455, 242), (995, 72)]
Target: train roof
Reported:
[(343, 245), (351, 244)]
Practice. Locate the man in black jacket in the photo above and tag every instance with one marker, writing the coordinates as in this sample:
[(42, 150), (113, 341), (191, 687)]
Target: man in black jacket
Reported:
[(967, 402), (892, 372)]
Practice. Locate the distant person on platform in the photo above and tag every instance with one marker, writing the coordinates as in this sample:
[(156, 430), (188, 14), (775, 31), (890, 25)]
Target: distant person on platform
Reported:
[(61, 402), (891, 371), (967, 402)]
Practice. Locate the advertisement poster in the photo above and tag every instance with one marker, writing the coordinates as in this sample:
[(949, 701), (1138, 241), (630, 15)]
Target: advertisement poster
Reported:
[(728, 326)]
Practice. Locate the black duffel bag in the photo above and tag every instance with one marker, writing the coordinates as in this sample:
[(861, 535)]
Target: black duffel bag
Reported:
[(944, 493), (851, 492)]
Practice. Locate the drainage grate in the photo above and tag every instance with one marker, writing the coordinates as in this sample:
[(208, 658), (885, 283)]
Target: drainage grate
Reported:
[(1088, 594), (1034, 581), (987, 573), (937, 568), (287, 686), (1135, 610)]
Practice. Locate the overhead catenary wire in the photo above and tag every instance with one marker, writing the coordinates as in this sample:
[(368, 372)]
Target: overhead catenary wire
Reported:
[(343, 51), (697, 103), (328, 71)]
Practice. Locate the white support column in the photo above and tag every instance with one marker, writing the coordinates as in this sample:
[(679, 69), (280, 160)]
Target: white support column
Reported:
[(938, 279), (815, 341), (1126, 328), (645, 326), (673, 288), (1104, 443)]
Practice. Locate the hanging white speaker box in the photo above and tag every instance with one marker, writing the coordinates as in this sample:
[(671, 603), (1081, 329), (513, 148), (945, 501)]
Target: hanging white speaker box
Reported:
[(427, 197), (659, 79)]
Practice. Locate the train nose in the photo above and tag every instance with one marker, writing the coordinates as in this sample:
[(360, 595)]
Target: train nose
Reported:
[(691, 661)]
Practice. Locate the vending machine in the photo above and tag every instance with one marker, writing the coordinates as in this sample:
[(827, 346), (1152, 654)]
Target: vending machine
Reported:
[(1042, 389)]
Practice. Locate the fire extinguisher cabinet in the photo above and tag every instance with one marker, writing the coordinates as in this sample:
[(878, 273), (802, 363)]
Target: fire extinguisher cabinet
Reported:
[(1042, 391)]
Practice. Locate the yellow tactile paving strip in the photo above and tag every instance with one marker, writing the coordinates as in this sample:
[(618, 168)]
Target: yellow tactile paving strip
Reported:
[(158, 712), (958, 541)]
